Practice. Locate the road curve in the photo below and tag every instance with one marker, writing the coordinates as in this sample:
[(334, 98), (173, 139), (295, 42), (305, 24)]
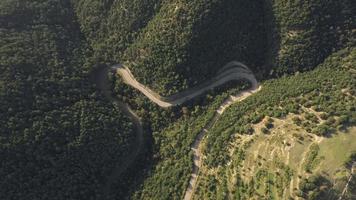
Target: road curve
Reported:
[(231, 71), (196, 147), (128, 160)]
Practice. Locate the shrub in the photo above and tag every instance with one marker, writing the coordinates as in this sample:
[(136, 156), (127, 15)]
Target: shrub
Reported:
[(264, 130)]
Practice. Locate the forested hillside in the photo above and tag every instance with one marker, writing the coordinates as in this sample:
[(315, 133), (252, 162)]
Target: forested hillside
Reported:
[(304, 33), (187, 42), (327, 89), (173, 45), (255, 150), (320, 89), (173, 131), (111, 25), (59, 138)]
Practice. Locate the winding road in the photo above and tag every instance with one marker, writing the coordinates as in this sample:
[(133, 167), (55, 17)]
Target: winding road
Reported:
[(196, 147), (129, 159), (231, 71)]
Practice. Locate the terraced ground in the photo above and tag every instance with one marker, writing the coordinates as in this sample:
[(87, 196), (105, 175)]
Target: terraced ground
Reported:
[(274, 164), (292, 140), (284, 156)]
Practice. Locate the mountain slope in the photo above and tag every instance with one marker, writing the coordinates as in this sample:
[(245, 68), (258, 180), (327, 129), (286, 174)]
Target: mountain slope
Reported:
[(288, 121), (187, 42), (59, 138), (306, 32), (176, 44), (112, 25), (173, 45)]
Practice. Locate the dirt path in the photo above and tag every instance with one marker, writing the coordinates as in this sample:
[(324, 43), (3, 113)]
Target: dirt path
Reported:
[(197, 159), (353, 171), (129, 159), (231, 71)]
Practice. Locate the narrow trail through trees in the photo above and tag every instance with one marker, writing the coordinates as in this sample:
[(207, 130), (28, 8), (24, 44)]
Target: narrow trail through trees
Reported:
[(231, 71), (129, 159)]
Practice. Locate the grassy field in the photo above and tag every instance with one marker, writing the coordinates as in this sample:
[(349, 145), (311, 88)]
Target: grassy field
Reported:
[(280, 154), (336, 150), (291, 145)]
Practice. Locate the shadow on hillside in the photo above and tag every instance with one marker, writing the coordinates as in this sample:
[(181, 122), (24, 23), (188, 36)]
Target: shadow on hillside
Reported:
[(229, 30), (126, 182)]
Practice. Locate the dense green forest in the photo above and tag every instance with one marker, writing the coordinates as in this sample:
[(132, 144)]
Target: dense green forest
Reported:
[(111, 26), (59, 137), (187, 42), (304, 33), (173, 45)]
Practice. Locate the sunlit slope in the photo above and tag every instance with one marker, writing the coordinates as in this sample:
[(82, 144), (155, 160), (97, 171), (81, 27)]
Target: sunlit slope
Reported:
[(292, 139)]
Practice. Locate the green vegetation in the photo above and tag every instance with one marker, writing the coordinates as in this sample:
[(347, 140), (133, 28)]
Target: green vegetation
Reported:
[(316, 187), (266, 171), (59, 138), (187, 42), (267, 181), (338, 150), (174, 130), (111, 26), (304, 33), (351, 159), (321, 89), (173, 45), (351, 190), (311, 158)]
